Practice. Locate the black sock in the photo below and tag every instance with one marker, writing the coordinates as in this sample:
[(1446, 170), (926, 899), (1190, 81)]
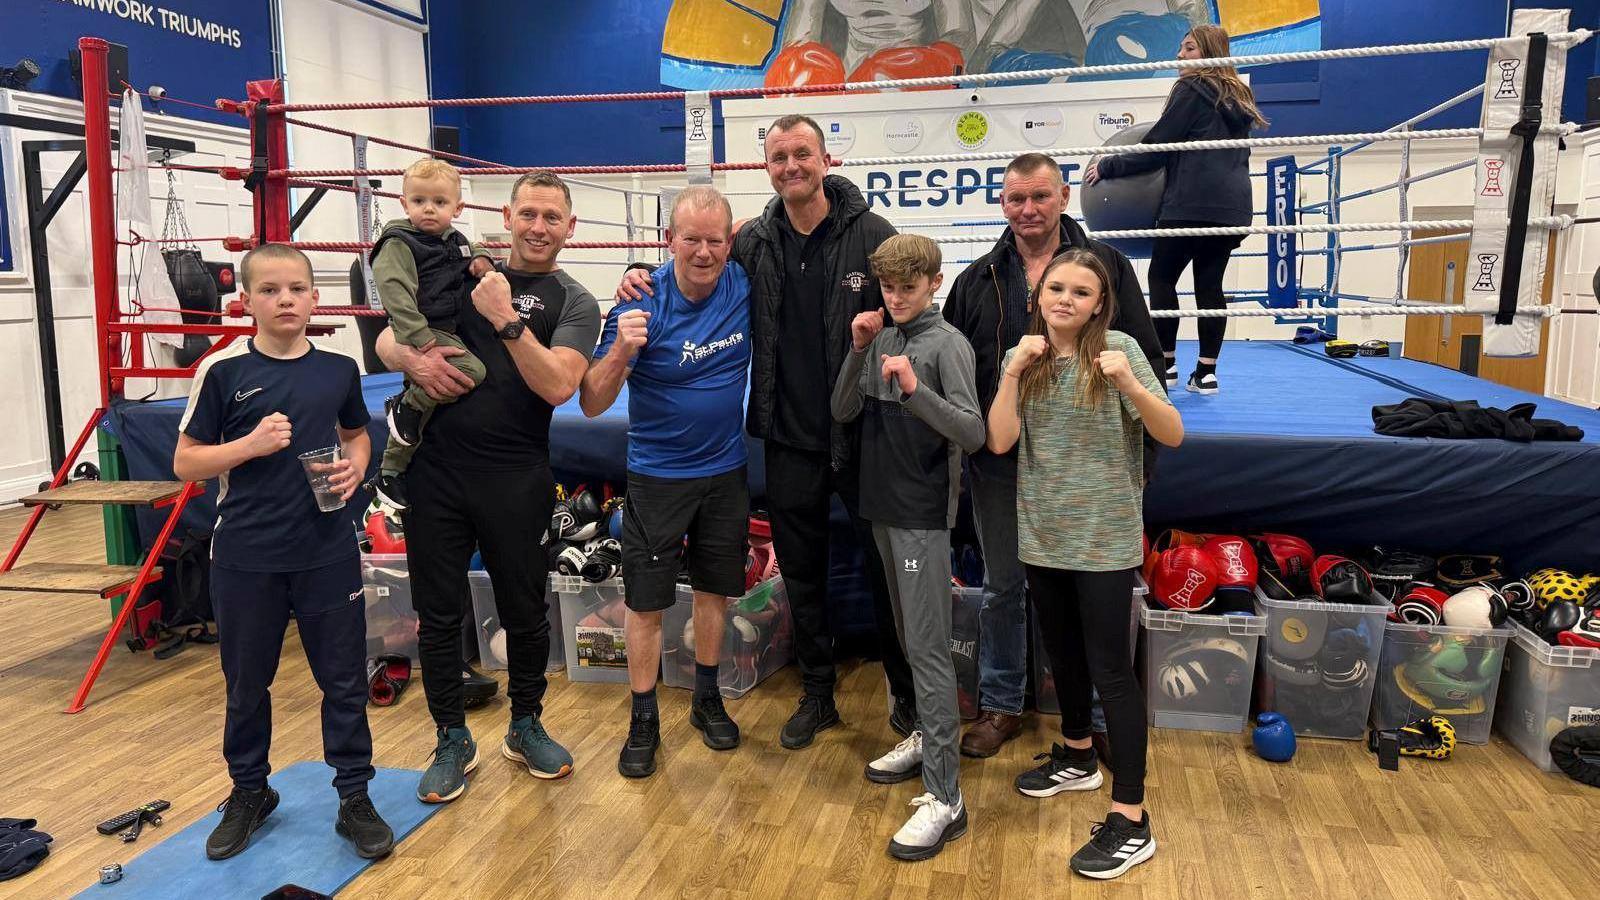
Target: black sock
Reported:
[(1202, 369), (705, 680), (644, 704), (1080, 754)]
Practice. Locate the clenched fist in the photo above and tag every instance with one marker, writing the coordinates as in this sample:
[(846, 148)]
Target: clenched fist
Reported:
[(492, 298), (633, 330), (898, 368), (865, 327), (1030, 348), (1114, 365), (271, 434)]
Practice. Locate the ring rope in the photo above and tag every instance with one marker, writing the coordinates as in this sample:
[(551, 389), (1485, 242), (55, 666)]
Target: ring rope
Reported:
[(1577, 36), (1554, 223), (1431, 309), (441, 154)]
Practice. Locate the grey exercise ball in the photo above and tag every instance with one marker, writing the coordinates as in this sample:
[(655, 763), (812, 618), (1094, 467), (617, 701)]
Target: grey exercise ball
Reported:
[(1119, 204)]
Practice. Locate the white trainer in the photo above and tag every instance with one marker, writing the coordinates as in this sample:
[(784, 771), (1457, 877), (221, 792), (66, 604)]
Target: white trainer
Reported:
[(927, 831), (903, 763)]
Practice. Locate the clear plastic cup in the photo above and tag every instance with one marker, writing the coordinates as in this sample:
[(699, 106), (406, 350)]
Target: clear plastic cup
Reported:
[(318, 465)]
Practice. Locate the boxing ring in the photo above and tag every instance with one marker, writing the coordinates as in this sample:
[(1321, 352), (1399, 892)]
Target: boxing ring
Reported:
[(1288, 446)]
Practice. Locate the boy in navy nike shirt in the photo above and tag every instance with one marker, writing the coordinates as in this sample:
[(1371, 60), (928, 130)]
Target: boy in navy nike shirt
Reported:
[(685, 354), (253, 409)]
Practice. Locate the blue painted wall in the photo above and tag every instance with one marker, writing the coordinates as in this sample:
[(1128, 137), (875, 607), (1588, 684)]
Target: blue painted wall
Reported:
[(210, 53), (613, 45)]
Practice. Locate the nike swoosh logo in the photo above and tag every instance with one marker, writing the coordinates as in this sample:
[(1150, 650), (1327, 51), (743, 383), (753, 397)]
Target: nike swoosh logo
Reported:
[(241, 396)]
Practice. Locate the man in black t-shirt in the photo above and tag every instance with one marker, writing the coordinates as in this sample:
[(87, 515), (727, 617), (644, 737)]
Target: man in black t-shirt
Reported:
[(482, 479)]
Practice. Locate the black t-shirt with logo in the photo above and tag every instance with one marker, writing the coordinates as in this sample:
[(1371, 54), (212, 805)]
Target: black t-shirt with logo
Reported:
[(503, 424), (802, 417)]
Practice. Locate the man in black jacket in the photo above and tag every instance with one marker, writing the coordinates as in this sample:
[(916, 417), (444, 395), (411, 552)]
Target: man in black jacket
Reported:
[(991, 303), (806, 256)]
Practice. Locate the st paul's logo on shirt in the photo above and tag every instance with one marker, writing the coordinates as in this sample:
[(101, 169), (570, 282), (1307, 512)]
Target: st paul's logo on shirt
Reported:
[(695, 353)]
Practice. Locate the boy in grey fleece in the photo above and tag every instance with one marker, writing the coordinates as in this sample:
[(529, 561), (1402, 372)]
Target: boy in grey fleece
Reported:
[(913, 386)]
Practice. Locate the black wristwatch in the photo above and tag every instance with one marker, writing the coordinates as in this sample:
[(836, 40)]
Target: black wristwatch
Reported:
[(512, 330)]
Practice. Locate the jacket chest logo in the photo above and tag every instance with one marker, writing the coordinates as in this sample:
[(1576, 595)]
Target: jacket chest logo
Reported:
[(855, 281), (527, 303)]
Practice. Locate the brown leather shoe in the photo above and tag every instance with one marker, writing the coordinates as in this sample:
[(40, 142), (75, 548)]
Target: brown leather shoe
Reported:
[(986, 735)]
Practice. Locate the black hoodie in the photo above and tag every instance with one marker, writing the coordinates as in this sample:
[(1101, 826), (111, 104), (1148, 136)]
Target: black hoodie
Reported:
[(853, 234), (1202, 185)]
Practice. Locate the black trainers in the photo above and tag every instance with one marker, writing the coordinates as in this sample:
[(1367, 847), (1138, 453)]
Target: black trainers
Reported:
[(1115, 846), (361, 824), (242, 813), (1062, 770), (813, 715), (1203, 384), (405, 421), (1171, 377), (903, 718), (638, 756), (716, 727), (390, 489)]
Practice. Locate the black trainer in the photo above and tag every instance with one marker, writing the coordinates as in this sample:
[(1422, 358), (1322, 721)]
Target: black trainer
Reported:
[(1203, 384), (814, 714), (242, 813), (638, 757), (903, 718), (405, 421), (361, 824), (717, 728), (1115, 846), (390, 489), (1063, 769), (1171, 376)]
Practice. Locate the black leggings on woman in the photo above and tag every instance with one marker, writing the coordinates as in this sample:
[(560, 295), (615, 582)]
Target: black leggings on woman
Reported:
[(1168, 260), (1084, 623)]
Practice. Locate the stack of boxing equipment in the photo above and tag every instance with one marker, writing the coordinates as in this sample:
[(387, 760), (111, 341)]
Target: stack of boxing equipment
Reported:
[(1285, 565), (1560, 607), (1396, 572), (579, 543), (1237, 571), (1339, 580)]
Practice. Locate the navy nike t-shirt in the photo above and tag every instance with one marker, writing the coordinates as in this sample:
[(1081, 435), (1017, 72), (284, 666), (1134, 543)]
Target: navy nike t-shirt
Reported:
[(687, 389), (267, 517)]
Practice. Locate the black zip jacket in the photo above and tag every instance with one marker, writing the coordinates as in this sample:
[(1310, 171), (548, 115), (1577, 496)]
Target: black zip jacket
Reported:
[(853, 234), (976, 306), (1202, 185)]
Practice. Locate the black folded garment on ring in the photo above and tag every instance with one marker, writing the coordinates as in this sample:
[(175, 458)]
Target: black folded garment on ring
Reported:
[(1420, 417)]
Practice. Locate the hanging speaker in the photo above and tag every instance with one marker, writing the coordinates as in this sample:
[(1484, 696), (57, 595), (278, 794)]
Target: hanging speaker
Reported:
[(447, 138)]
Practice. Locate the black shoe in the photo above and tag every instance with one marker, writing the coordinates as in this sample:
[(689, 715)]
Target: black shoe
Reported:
[(1062, 770), (390, 490), (638, 757), (405, 421), (242, 813), (1115, 846), (1203, 384), (813, 715), (717, 728), (1171, 377), (360, 822), (476, 687), (903, 719)]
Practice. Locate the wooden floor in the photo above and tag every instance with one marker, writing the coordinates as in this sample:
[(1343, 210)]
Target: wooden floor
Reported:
[(762, 821)]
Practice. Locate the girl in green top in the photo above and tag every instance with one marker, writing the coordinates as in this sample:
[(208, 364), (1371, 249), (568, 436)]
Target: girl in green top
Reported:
[(1078, 397)]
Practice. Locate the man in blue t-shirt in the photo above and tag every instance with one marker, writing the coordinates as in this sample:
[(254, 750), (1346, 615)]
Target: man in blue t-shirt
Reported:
[(685, 354)]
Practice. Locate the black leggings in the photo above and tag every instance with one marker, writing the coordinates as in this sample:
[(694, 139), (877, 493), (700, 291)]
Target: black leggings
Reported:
[(1084, 622), (1168, 260)]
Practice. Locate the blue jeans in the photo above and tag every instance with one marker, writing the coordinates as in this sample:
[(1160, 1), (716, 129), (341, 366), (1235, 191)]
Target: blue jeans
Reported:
[(1003, 620)]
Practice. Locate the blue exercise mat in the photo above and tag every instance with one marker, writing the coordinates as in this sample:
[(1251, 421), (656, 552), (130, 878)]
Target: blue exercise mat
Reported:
[(296, 845)]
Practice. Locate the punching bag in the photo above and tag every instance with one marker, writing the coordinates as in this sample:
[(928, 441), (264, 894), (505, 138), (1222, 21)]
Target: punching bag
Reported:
[(369, 327), (197, 294), (1134, 201)]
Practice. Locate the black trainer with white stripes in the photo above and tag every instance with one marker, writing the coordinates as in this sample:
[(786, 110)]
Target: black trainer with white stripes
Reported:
[(1063, 769), (1115, 846)]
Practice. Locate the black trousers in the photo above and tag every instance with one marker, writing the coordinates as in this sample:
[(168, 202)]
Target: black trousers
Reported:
[(252, 611), (504, 515), (1083, 620), (1210, 256), (800, 488)]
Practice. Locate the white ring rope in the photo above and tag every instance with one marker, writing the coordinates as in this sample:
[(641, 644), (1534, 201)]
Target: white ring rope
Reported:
[(1315, 311), (1554, 223), (1567, 37)]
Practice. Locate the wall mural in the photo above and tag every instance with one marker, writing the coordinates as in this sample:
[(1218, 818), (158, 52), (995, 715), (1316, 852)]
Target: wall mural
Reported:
[(711, 44)]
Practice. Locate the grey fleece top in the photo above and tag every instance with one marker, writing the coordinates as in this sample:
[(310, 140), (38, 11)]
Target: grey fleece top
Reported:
[(911, 446)]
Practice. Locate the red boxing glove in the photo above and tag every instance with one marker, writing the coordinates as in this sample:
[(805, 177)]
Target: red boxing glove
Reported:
[(1422, 605), (1338, 580), (1584, 634), (1289, 555), (1184, 578), (382, 539), (1235, 562), (896, 63), (805, 64)]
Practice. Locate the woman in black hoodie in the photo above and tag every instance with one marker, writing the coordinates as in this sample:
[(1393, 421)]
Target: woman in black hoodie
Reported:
[(1203, 188)]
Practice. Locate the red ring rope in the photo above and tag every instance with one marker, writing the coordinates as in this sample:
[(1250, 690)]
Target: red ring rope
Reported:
[(517, 170)]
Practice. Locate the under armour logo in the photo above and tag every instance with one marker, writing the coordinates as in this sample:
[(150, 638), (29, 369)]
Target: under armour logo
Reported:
[(913, 565), (1508, 78), (1486, 263), (697, 131), (1491, 177)]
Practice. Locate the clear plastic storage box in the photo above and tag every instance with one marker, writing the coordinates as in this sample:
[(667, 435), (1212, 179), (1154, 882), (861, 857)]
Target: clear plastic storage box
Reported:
[(1429, 670), (1546, 689), (757, 639), (391, 620), (491, 637), (592, 628), (1199, 668), (1318, 664)]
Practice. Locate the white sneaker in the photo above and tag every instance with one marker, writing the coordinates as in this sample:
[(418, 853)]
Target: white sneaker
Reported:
[(929, 828), (902, 763)]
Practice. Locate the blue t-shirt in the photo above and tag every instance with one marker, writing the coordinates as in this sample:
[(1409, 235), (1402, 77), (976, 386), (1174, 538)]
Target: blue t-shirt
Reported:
[(267, 517), (686, 393)]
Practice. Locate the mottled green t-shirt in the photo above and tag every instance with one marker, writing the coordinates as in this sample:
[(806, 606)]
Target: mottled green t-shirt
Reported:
[(1080, 471)]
